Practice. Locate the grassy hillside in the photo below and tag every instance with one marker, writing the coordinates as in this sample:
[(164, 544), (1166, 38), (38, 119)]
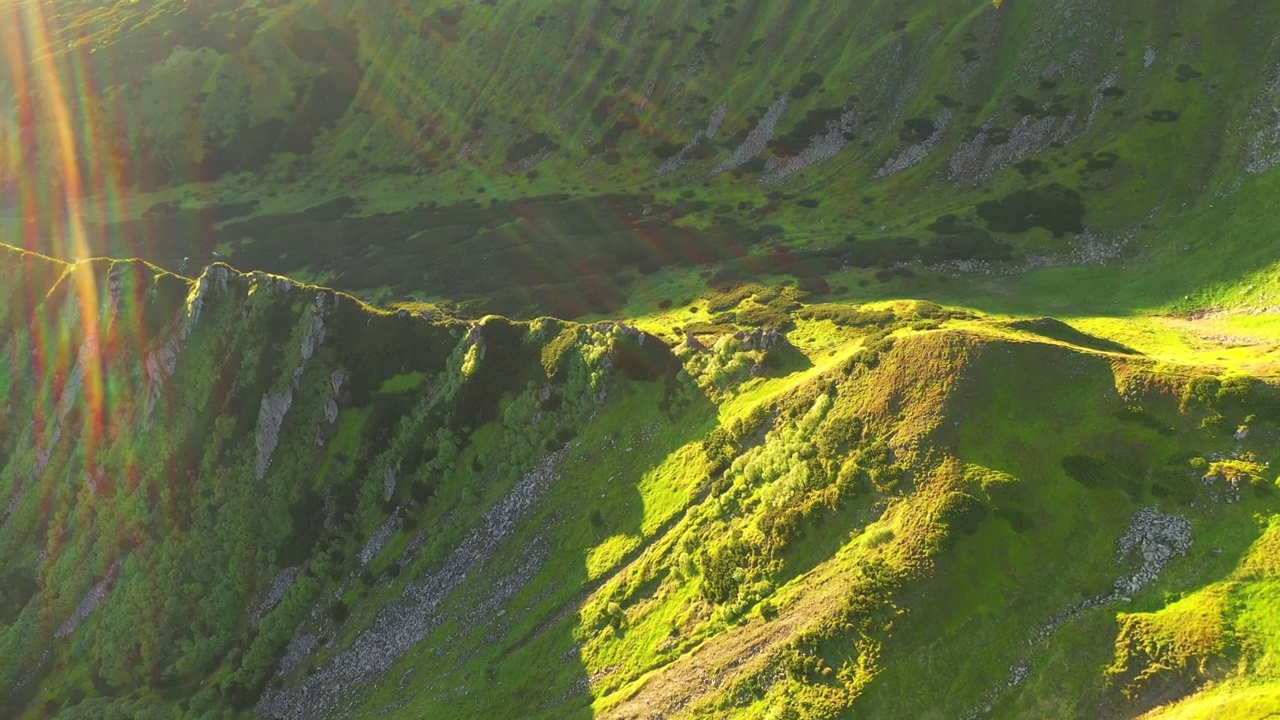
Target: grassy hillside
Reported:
[(738, 358), (459, 151), (238, 495)]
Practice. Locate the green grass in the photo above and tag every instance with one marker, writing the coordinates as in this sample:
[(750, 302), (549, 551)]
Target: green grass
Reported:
[(610, 598), (1199, 223), (620, 589)]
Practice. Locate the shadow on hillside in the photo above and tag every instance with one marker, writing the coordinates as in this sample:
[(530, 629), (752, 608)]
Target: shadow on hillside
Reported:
[(1057, 330), (552, 255), (523, 656), (621, 512)]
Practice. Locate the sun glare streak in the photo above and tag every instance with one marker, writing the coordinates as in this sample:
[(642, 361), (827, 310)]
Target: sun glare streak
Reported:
[(48, 90)]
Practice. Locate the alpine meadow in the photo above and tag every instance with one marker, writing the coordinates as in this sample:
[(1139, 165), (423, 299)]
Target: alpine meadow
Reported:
[(638, 359)]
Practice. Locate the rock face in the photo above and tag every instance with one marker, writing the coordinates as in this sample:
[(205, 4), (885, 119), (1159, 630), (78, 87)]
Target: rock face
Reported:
[(378, 540), (758, 139), (1263, 149), (402, 625), (270, 418), (765, 338), (213, 281), (316, 330), (280, 585), (275, 406), (821, 148), (389, 482), (911, 155), (331, 410), (90, 603), (1156, 538)]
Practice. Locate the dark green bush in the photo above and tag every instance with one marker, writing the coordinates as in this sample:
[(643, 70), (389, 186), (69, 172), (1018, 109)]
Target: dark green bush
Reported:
[(812, 124), (962, 512), (1054, 207), (719, 567), (1185, 72), (848, 315), (763, 316), (1114, 471), (531, 146), (1139, 415), (644, 357), (339, 612), (1019, 520), (917, 130), (1162, 116)]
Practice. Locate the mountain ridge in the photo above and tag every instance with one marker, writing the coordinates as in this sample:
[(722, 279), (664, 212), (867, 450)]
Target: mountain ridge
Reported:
[(1072, 112), (733, 359), (909, 435)]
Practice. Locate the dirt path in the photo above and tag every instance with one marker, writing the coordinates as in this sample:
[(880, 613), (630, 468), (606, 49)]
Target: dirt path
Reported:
[(668, 691)]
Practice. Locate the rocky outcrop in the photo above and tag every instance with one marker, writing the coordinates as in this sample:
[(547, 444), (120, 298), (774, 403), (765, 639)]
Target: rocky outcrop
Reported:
[(378, 540), (1156, 538), (213, 281), (981, 157), (316, 330), (1262, 153), (275, 406), (758, 139), (389, 477), (821, 148), (279, 587), (89, 603), (911, 155), (337, 380), (270, 419), (401, 625)]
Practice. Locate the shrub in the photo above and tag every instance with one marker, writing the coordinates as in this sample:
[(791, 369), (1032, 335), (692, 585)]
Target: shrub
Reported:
[(809, 82), (339, 612), (815, 285), (719, 569), (1019, 520), (1097, 473), (1139, 415), (813, 124), (768, 610), (1200, 392), (531, 146), (763, 316), (1025, 106), (962, 512), (848, 316), (643, 358), (882, 252), (917, 130), (1185, 72), (1054, 207), (1162, 116)]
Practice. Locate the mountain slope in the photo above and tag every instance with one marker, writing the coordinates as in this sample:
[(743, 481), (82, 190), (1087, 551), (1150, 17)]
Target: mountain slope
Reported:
[(239, 494), (424, 150), (719, 359)]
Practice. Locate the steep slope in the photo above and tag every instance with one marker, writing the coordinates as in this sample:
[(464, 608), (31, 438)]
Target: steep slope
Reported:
[(428, 150), (755, 480), (238, 494)]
